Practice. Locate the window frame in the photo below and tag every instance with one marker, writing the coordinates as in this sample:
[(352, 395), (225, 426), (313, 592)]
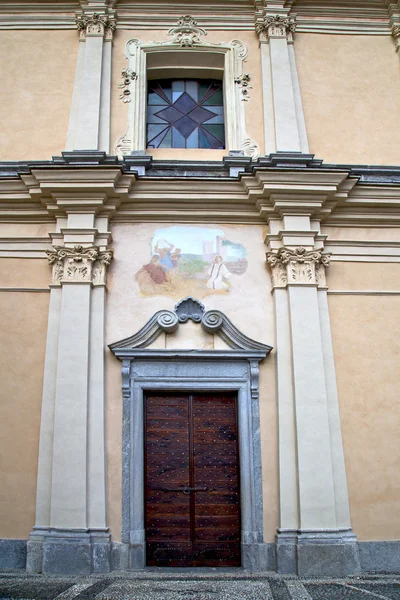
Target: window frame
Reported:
[(197, 80), (138, 54)]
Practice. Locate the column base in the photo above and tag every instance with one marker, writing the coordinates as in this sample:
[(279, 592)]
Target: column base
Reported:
[(68, 551), (318, 552), (258, 557)]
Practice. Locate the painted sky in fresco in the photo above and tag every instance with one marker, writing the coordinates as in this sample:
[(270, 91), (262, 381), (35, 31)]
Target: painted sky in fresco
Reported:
[(188, 239)]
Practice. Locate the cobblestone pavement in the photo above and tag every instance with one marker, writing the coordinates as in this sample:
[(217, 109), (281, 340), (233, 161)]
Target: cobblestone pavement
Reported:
[(206, 586)]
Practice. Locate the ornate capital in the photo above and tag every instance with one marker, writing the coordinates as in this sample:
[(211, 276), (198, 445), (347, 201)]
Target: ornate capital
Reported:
[(186, 33), (96, 25), (298, 267), (276, 26), (396, 36), (79, 264)]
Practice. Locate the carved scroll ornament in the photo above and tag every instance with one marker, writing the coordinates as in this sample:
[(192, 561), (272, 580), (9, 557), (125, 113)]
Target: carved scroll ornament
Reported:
[(79, 264), (127, 76), (243, 82), (186, 33), (298, 267)]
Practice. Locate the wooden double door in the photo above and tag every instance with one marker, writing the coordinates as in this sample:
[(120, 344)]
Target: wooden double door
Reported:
[(192, 480)]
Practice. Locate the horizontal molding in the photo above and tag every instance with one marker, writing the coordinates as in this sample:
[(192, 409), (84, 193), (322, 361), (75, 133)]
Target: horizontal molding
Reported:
[(363, 19), (18, 289), (363, 251), (365, 258), (166, 193), (343, 27), (24, 247), (364, 292)]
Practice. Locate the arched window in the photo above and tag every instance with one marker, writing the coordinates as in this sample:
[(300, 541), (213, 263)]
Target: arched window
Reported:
[(185, 113)]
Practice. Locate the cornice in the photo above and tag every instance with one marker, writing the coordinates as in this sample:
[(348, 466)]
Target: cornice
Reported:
[(200, 192), (364, 17)]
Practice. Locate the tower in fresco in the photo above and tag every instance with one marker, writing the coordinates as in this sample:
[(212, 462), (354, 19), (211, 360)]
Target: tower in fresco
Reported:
[(199, 258)]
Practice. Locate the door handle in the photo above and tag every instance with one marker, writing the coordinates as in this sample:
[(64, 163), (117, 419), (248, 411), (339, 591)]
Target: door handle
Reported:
[(194, 489), (186, 490)]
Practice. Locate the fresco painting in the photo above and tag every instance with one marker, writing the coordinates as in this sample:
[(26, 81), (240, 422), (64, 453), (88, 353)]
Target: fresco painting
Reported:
[(195, 261)]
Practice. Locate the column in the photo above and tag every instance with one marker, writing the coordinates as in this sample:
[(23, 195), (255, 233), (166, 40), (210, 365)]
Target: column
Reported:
[(315, 535), (284, 127), (71, 534), (89, 123)]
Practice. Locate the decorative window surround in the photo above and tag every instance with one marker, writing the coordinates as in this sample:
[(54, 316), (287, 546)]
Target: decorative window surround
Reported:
[(187, 41), (235, 369)]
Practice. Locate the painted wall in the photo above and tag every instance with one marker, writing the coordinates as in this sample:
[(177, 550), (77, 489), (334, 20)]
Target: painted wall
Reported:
[(350, 88), (37, 70), (253, 107), (248, 303), (22, 349), (367, 357)]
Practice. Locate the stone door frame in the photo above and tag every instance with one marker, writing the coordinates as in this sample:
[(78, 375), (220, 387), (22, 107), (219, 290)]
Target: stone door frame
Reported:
[(235, 369), (166, 373)]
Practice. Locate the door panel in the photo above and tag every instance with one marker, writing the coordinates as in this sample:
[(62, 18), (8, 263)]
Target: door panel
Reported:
[(192, 480)]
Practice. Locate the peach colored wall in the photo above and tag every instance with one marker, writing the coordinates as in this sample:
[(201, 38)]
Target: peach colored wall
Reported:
[(37, 70), (363, 276), (253, 108), (367, 357), (376, 234), (26, 273), (350, 88), (22, 350), (128, 311)]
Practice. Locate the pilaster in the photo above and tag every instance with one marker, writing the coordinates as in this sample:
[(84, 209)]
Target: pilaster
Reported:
[(71, 534), (284, 125), (89, 124), (314, 536)]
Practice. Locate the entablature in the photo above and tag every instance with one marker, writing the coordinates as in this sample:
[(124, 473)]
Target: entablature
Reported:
[(237, 190), (365, 17)]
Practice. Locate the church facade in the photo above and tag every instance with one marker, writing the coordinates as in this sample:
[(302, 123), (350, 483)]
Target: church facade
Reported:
[(200, 285)]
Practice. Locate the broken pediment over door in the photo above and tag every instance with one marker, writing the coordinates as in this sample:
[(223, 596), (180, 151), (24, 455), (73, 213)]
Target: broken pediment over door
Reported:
[(190, 326)]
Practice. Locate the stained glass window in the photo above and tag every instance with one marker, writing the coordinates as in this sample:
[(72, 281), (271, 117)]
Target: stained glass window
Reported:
[(185, 113)]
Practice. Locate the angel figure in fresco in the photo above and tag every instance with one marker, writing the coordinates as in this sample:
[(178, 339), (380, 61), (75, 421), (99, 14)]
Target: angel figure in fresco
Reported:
[(216, 275)]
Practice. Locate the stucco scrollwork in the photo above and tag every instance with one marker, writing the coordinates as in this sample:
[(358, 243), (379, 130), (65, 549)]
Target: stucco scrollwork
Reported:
[(79, 264), (396, 36), (276, 26), (297, 266), (100, 267), (251, 148), (127, 76), (186, 33), (243, 82)]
